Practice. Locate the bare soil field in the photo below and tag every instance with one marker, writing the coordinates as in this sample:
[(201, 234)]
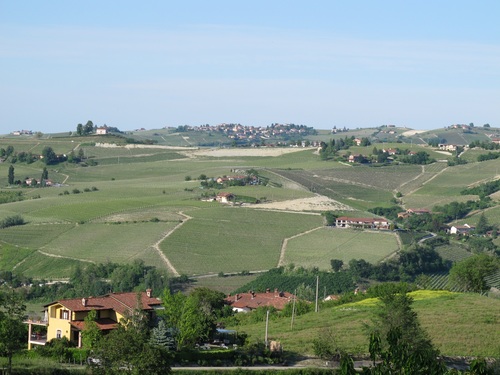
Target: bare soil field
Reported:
[(319, 203), (409, 133), (256, 151)]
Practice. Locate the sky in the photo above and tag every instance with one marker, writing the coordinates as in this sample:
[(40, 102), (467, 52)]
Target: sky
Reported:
[(150, 64)]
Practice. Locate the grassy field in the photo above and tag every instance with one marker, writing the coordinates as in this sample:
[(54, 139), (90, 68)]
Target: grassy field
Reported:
[(316, 249), (458, 324)]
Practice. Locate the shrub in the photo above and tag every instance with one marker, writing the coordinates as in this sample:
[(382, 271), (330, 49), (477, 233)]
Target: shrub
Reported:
[(11, 221)]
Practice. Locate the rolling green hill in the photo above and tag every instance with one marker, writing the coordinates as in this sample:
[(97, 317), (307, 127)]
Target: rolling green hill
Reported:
[(143, 201)]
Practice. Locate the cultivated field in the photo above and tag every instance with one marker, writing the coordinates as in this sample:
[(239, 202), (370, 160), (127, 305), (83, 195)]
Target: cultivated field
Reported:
[(232, 239), (317, 248), (132, 203)]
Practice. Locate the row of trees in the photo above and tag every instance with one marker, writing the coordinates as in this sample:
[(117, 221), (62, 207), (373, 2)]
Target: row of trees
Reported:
[(98, 279), (11, 179), (330, 149), (86, 129)]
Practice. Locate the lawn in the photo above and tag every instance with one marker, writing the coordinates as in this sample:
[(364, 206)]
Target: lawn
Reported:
[(316, 249)]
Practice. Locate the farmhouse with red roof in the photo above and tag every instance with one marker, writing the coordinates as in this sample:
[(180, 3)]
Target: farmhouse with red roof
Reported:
[(245, 302), (65, 318)]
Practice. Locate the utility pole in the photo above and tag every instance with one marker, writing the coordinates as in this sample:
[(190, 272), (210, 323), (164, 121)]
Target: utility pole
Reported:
[(317, 290), (293, 308), (267, 326)]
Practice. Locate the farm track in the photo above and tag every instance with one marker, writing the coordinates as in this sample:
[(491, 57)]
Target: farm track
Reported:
[(52, 256), (395, 253), (344, 181), (288, 179), (156, 245), (424, 182), (281, 261)]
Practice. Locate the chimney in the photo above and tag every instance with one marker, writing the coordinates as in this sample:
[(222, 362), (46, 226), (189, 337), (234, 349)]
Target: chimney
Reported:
[(268, 290), (84, 302), (148, 292), (276, 292), (236, 297)]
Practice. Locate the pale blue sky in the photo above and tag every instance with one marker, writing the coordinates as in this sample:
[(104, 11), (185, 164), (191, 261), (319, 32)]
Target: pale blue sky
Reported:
[(131, 64)]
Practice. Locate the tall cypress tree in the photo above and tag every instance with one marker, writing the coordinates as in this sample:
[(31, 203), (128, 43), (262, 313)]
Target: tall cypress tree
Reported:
[(11, 175)]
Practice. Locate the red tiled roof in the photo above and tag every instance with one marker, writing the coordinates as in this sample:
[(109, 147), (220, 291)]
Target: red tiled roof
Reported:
[(361, 219), (254, 300), (104, 324), (119, 302)]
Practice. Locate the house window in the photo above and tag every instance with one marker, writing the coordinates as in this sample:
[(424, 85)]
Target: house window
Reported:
[(65, 314), (58, 334)]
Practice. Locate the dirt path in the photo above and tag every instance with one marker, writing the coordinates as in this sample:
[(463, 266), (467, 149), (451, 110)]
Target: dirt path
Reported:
[(284, 245), (156, 245), (424, 182), (65, 178), (52, 256)]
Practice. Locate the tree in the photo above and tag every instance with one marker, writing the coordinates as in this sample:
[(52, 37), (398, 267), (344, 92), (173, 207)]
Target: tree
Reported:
[(88, 128), (470, 274), (81, 154), (79, 129), (125, 350), (9, 151), (49, 156), (91, 334), (160, 336), (398, 344), (11, 175), (482, 225), (336, 264), (12, 329), (192, 318), (45, 173), (330, 217), (45, 177), (360, 268), (325, 345)]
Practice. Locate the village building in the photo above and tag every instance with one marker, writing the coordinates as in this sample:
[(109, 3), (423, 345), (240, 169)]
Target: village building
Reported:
[(447, 147), (224, 197), (390, 151), (462, 229), (355, 158), (365, 223), (245, 302), (66, 318), (101, 131)]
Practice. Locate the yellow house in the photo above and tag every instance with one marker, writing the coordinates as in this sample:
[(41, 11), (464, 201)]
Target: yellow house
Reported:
[(65, 318)]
